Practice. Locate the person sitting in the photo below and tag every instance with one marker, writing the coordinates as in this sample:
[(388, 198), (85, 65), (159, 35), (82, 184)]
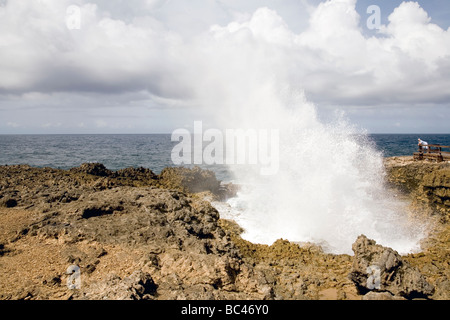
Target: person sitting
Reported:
[(423, 144)]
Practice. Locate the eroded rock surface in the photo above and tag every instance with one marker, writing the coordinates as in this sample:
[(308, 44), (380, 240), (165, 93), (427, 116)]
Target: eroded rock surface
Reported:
[(428, 183), (382, 269), (138, 235)]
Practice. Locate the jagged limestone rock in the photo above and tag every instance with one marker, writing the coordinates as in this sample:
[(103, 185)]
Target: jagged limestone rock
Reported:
[(381, 269)]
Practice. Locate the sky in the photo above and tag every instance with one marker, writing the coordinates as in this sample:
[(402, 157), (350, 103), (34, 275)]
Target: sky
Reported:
[(152, 66)]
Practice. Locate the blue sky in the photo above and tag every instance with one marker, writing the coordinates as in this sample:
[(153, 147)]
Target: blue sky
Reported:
[(438, 10), (151, 66)]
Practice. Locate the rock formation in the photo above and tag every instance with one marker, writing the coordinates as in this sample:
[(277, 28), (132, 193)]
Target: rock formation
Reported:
[(426, 182), (134, 234), (383, 270)]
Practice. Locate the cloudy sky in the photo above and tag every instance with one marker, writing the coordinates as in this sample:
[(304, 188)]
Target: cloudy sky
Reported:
[(151, 66)]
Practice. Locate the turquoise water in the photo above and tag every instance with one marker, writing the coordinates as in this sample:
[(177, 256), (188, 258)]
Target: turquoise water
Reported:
[(146, 150)]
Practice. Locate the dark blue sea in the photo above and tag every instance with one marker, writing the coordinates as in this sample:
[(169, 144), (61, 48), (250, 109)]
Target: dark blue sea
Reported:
[(147, 150)]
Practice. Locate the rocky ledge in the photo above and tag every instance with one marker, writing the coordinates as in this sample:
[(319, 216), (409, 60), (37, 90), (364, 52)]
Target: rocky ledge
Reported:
[(425, 181), (133, 234)]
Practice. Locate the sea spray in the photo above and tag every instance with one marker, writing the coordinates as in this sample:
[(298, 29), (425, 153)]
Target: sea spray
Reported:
[(329, 187)]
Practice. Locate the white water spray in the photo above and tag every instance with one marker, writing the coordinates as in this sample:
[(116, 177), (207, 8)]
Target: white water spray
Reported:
[(329, 186), (329, 189)]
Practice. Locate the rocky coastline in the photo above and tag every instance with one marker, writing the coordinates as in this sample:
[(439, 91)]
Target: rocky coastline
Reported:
[(135, 234)]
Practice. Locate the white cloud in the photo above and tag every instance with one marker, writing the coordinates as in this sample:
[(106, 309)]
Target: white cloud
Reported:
[(39, 53), (332, 61), (405, 59), (410, 31), (153, 52)]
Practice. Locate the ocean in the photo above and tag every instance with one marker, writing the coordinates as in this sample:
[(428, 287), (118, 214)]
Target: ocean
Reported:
[(153, 151)]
